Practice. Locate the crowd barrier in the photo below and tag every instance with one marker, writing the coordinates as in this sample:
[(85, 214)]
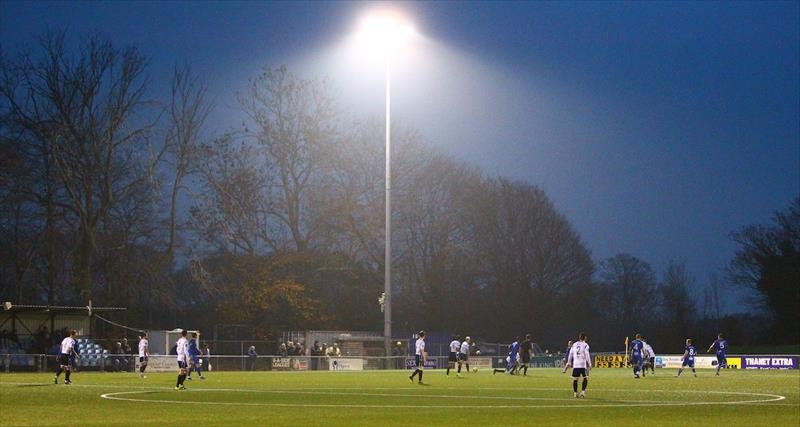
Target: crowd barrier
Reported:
[(734, 361), (130, 363)]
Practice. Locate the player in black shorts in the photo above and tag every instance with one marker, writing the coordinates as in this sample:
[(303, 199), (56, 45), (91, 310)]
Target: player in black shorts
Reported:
[(525, 350), (455, 345)]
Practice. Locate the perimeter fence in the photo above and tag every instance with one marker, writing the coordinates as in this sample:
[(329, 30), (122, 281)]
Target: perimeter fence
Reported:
[(130, 363)]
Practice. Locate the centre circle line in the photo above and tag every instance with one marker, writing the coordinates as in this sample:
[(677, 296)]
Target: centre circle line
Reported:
[(622, 403)]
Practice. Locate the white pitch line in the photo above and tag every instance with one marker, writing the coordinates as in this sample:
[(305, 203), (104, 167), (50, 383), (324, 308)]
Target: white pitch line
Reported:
[(115, 396), (337, 391)]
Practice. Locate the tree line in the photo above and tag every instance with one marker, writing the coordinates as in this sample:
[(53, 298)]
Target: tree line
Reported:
[(130, 199)]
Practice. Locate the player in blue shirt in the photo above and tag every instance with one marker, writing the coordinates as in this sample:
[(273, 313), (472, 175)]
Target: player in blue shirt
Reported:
[(194, 353), (637, 348), (720, 347), (688, 358), (511, 365)]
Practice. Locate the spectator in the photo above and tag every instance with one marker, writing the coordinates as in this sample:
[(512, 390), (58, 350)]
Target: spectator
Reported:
[(206, 358), (282, 350), (251, 358), (314, 353), (126, 351), (119, 362)]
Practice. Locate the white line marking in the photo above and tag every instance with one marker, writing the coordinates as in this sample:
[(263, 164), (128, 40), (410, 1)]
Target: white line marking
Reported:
[(338, 391), (115, 396)]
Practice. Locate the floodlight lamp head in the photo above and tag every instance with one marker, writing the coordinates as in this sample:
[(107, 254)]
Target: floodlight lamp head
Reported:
[(384, 33)]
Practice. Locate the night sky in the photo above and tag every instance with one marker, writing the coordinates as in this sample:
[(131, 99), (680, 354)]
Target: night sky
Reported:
[(657, 128)]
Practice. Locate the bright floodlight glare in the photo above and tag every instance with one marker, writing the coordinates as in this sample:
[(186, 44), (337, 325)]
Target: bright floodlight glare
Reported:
[(384, 34)]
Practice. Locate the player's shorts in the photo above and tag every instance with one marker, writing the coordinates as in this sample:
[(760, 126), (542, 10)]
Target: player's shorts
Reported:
[(453, 357), (181, 364), (688, 362), (636, 360), (722, 360), (63, 359), (418, 362), (463, 357), (580, 372), (143, 359)]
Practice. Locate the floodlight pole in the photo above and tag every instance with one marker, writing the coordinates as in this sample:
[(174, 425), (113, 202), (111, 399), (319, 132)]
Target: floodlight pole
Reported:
[(387, 283)]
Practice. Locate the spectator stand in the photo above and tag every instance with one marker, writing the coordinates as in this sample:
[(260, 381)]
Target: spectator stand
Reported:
[(30, 334)]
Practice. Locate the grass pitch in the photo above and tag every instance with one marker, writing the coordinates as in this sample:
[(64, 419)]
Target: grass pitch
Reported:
[(387, 398)]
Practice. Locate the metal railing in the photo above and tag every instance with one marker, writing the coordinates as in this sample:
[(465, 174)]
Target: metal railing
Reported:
[(129, 363)]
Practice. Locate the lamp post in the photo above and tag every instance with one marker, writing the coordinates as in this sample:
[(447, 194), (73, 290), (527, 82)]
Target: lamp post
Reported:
[(385, 33), (387, 275)]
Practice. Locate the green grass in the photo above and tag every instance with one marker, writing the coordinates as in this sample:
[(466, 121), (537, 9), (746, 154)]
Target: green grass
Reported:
[(386, 398)]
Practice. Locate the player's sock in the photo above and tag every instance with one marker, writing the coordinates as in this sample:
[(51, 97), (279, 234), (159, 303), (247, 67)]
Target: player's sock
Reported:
[(66, 374), (718, 368), (679, 372), (525, 370), (448, 370), (467, 367), (178, 381), (459, 369), (420, 376), (575, 385), (585, 383), (694, 372), (58, 373)]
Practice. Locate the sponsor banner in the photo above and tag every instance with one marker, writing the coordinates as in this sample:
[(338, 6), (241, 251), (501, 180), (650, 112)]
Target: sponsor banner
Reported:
[(341, 364), (734, 363), (429, 364), (289, 364), (700, 362), (159, 363), (609, 361), (668, 361), (769, 362), (674, 362)]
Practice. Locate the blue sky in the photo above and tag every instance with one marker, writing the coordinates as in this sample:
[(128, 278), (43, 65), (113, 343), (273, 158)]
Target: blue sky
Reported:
[(656, 127)]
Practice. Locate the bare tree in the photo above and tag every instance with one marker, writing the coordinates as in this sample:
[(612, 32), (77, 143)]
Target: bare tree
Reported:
[(678, 307), (712, 297), (530, 251), (292, 120), (188, 111), (233, 212), (83, 107), (632, 284), (768, 262)]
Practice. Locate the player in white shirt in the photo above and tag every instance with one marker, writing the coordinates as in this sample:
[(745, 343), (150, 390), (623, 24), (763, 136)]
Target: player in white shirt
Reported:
[(463, 354), (455, 346), (581, 363), (182, 351), (649, 359), (144, 354), (67, 349), (419, 357)]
